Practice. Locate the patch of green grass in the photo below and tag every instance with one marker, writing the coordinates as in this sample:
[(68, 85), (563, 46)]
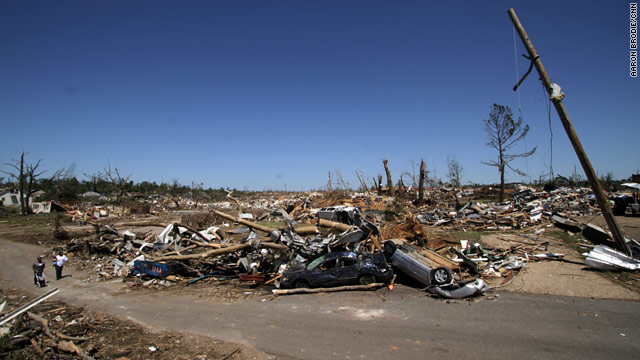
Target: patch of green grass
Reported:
[(466, 235), (7, 347), (564, 236), (627, 279), (33, 219)]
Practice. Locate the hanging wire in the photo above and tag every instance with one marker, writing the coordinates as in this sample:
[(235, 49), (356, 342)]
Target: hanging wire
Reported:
[(515, 56), (550, 138)]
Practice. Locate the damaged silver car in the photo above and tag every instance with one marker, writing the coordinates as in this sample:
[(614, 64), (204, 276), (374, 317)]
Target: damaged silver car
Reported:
[(437, 280)]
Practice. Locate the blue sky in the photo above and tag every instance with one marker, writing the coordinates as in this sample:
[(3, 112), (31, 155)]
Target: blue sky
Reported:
[(263, 94)]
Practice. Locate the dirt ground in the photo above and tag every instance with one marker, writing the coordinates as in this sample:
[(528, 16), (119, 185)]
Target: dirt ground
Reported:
[(570, 276), (107, 337)]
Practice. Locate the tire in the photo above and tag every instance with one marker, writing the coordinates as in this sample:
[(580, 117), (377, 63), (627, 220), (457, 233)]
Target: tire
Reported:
[(389, 249), (366, 279), (440, 276), (301, 284)]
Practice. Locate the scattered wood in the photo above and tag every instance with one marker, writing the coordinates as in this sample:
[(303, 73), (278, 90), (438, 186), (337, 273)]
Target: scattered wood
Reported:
[(332, 289)]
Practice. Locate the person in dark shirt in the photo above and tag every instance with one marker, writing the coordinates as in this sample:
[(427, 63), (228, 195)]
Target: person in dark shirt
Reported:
[(38, 273)]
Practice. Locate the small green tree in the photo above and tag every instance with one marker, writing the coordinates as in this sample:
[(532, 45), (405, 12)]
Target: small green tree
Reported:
[(503, 133)]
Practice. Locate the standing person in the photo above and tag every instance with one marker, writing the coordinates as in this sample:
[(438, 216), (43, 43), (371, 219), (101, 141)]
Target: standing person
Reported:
[(38, 273), (61, 259)]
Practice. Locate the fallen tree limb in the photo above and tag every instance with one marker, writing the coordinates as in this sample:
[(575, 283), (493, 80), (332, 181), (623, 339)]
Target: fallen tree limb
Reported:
[(37, 347), (333, 225), (124, 224), (244, 222), (203, 255), (307, 230), (53, 334), (333, 289), (70, 347), (231, 354), (44, 322), (194, 232), (229, 192), (281, 247)]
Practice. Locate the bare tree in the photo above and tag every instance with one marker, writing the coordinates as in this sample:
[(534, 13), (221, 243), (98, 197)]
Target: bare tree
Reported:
[(59, 180), (118, 181), (26, 177), (389, 181), (455, 171), (197, 192), (503, 133), (340, 180), (95, 179), (175, 192), (411, 173), (361, 177), (421, 182)]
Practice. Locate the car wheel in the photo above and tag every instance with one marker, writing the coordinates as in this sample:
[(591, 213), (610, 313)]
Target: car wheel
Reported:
[(301, 284), (441, 276), (366, 279)]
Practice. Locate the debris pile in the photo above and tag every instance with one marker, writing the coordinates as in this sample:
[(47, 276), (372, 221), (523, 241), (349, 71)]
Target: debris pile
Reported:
[(214, 246), (527, 209)]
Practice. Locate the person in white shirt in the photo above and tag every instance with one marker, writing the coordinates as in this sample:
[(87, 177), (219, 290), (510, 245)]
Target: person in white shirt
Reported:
[(61, 259)]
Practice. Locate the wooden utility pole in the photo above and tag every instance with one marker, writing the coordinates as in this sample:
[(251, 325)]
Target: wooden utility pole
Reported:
[(603, 203)]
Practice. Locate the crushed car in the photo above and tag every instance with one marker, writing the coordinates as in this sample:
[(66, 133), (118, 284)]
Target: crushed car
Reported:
[(338, 269), (438, 280)]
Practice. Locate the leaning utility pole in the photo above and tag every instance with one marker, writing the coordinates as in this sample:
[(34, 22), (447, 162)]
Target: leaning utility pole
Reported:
[(556, 98)]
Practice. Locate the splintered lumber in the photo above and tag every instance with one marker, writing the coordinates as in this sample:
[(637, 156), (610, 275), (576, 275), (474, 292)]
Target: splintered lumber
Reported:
[(438, 259), (332, 289), (376, 242), (333, 225), (244, 222)]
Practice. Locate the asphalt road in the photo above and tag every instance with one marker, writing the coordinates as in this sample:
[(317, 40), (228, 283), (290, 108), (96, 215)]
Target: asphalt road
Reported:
[(402, 324)]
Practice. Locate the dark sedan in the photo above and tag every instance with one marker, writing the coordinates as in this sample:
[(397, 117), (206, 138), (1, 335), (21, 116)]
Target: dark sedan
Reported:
[(337, 269)]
